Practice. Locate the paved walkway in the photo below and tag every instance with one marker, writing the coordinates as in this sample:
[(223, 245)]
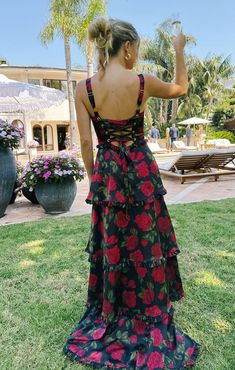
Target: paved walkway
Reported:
[(191, 191)]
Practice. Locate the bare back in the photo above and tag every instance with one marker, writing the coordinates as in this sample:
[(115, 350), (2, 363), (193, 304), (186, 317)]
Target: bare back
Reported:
[(116, 94)]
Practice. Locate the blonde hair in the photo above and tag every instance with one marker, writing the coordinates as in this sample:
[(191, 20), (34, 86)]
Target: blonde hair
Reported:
[(108, 37)]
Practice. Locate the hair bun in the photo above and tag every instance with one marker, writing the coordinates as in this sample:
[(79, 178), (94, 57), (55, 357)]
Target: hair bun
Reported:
[(100, 33)]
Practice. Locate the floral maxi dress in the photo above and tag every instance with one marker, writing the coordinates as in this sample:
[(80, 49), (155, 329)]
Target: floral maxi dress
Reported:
[(134, 275)]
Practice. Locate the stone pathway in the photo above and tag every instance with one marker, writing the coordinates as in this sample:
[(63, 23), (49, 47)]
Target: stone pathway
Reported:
[(191, 191)]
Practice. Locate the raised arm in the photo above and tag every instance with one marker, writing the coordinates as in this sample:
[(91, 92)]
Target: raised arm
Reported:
[(160, 89), (84, 127)]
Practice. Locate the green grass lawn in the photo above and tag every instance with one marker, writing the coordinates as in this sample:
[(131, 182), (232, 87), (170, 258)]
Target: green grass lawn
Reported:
[(44, 280)]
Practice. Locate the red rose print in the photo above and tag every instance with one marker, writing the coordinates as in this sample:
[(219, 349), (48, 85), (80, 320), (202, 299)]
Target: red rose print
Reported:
[(147, 188), (121, 219), (133, 339), (137, 256), (156, 250), (94, 217), (120, 197), (142, 169), (157, 207), (113, 277), (113, 255), (117, 159), (121, 322), (77, 333), (92, 280), (132, 156), (161, 295), (80, 352), (157, 337), (190, 351), (154, 167), (147, 206), (107, 155), (140, 359), (141, 271), (112, 185), (139, 326), (80, 339), (129, 298), (95, 356), (180, 338), (158, 273), (98, 333), (114, 347), (163, 224), (73, 348), (112, 239), (117, 355), (153, 311), (144, 242), (139, 156), (173, 237), (148, 296), (155, 361), (143, 221), (132, 242), (97, 177), (131, 284), (107, 307)]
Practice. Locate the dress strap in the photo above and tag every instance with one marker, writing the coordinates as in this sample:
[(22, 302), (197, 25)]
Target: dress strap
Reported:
[(90, 92), (141, 93)]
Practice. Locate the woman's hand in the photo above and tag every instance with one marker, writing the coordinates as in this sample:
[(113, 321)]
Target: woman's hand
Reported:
[(179, 42)]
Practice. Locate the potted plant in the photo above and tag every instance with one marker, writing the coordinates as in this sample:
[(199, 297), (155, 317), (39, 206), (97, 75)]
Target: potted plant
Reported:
[(32, 145), (53, 178), (10, 137)]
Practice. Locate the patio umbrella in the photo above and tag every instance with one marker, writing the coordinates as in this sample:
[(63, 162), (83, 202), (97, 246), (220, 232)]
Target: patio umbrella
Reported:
[(194, 121), (17, 96)]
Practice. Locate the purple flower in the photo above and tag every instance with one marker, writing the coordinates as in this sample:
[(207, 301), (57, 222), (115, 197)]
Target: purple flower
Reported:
[(47, 174)]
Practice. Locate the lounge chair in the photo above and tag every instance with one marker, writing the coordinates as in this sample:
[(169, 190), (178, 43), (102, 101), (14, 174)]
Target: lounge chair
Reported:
[(180, 145), (155, 148), (220, 143), (196, 164)]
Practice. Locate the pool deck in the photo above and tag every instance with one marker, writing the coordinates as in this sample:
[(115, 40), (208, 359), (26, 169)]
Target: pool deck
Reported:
[(191, 191)]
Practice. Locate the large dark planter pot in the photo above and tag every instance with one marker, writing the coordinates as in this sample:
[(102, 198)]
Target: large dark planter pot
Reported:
[(56, 197), (14, 194), (7, 177), (30, 195)]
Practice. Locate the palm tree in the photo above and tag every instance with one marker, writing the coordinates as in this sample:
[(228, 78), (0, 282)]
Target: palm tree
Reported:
[(161, 52), (64, 18), (94, 9), (216, 72)]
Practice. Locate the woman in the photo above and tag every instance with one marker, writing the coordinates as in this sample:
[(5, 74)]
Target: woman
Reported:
[(132, 248)]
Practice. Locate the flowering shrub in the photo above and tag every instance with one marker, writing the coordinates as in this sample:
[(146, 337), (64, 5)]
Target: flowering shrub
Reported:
[(33, 144), (51, 169), (19, 168), (9, 135)]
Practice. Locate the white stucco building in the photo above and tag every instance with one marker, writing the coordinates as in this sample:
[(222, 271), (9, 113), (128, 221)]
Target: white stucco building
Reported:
[(48, 126)]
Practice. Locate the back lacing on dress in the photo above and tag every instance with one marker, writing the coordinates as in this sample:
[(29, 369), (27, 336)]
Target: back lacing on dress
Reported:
[(108, 130), (111, 128)]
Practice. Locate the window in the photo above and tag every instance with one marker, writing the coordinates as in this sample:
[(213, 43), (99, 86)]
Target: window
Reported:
[(37, 135), (59, 84), (48, 138), (18, 123), (34, 81)]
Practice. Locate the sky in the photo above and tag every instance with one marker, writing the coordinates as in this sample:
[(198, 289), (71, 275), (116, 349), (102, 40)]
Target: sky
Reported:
[(209, 21)]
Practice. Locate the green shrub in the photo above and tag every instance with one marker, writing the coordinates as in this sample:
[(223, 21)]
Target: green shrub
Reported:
[(221, 135)]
